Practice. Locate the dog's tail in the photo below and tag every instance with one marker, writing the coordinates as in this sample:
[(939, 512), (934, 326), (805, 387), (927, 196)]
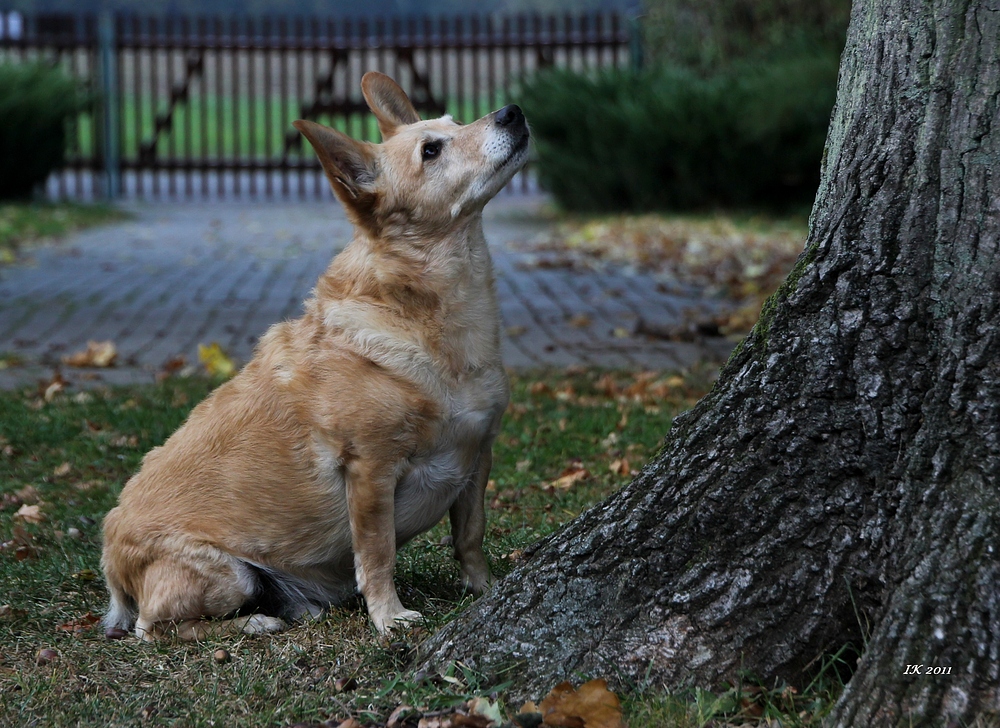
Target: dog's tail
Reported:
[(123, 610)]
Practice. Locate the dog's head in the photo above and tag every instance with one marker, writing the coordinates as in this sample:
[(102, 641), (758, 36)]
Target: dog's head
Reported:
[(425, 175)]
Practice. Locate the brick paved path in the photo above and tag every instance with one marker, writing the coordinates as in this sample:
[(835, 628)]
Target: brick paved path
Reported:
[(178, 275)]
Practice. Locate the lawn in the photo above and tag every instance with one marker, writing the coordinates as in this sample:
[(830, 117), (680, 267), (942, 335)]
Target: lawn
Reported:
[(568, 439), (23, 224)]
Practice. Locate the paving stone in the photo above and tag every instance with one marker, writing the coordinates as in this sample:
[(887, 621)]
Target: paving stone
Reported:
[(176, 275)]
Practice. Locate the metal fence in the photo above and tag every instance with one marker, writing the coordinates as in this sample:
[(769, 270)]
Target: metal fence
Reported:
[(202, 107)]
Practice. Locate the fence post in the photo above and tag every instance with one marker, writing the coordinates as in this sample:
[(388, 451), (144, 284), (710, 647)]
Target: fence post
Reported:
[(635, 45), (110, 106)]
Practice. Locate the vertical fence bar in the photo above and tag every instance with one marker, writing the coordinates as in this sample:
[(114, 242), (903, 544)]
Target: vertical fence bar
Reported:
[(200, 39), (281, 42), (635, 42), (389, 50), (248, 51), (109, 91), (300, 93), (81, 70), (461, 95), (171, 143), (157, 79), (447, 63), (357, 120), (491, 75), (235, 127), (218, 106), (316, 89), (138, 104), (431, 55), (189, 111), (59, 40), (269, 152)]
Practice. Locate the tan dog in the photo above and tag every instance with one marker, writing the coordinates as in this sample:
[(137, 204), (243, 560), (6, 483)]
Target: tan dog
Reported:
[(353, 428)]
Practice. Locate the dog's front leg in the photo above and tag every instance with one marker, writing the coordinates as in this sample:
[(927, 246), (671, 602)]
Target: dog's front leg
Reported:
[(468, 526), (370, 494)]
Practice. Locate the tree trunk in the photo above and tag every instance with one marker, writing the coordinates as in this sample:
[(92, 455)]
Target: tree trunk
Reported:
[(840, 483)]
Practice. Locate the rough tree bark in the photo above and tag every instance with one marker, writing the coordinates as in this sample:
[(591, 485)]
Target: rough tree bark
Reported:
[(841, 483)]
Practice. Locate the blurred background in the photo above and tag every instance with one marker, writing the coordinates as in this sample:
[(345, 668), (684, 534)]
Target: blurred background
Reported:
[(660, 105)]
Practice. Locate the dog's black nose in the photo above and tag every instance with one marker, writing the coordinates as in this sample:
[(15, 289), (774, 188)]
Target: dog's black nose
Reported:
[(510, 114)]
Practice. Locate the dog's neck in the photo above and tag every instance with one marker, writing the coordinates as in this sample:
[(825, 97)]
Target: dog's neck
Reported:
[(437, 291)]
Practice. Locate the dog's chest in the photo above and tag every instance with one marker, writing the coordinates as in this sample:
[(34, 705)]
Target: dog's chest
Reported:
[(439, 471)]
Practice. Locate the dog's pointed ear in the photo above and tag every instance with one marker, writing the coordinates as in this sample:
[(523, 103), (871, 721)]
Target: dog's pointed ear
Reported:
[(349, 165), (389, 103)]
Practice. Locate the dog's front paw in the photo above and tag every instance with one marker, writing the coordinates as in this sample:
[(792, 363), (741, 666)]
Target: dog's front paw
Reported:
[(387, 622), (261, 624), (477, 582)]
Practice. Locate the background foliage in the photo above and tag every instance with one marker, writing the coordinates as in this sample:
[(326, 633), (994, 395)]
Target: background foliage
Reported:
[(730, 110), (708, 34), (36, 103), (669, 138)]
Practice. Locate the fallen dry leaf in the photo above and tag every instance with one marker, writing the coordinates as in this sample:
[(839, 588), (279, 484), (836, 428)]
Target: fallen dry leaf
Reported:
[(30, 514), (607, 386), (215, 360), (570, 477), (537, 388), (620, 467), (455, 720), (437, 721), (48, 389), (124, 441), (80, 624), (566, 393), (28, 494), (349, 723), (97, 354), (22, 545), (469, 721), (62, 470), (171, 366), (486, 708), (400, 716), (592, 706)]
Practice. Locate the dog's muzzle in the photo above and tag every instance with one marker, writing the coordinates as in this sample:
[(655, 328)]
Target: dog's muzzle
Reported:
[(510, 115), (511, 119)]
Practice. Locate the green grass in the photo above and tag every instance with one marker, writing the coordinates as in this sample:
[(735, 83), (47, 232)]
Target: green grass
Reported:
[(24, 224), (74, 453)]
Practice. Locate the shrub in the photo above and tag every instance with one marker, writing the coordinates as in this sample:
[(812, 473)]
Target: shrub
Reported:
[(710, 34), (751, 136), (36, 102)]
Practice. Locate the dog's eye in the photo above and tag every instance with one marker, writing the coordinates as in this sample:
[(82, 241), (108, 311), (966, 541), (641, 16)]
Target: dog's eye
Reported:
[(431, 150)]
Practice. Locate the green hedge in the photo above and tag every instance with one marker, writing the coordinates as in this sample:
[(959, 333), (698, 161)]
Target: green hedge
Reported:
[(670, 139), (711, 34), (36, 102)]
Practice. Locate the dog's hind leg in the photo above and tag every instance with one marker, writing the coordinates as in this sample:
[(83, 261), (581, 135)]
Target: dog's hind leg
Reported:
[(468, 526), (181, 596)]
